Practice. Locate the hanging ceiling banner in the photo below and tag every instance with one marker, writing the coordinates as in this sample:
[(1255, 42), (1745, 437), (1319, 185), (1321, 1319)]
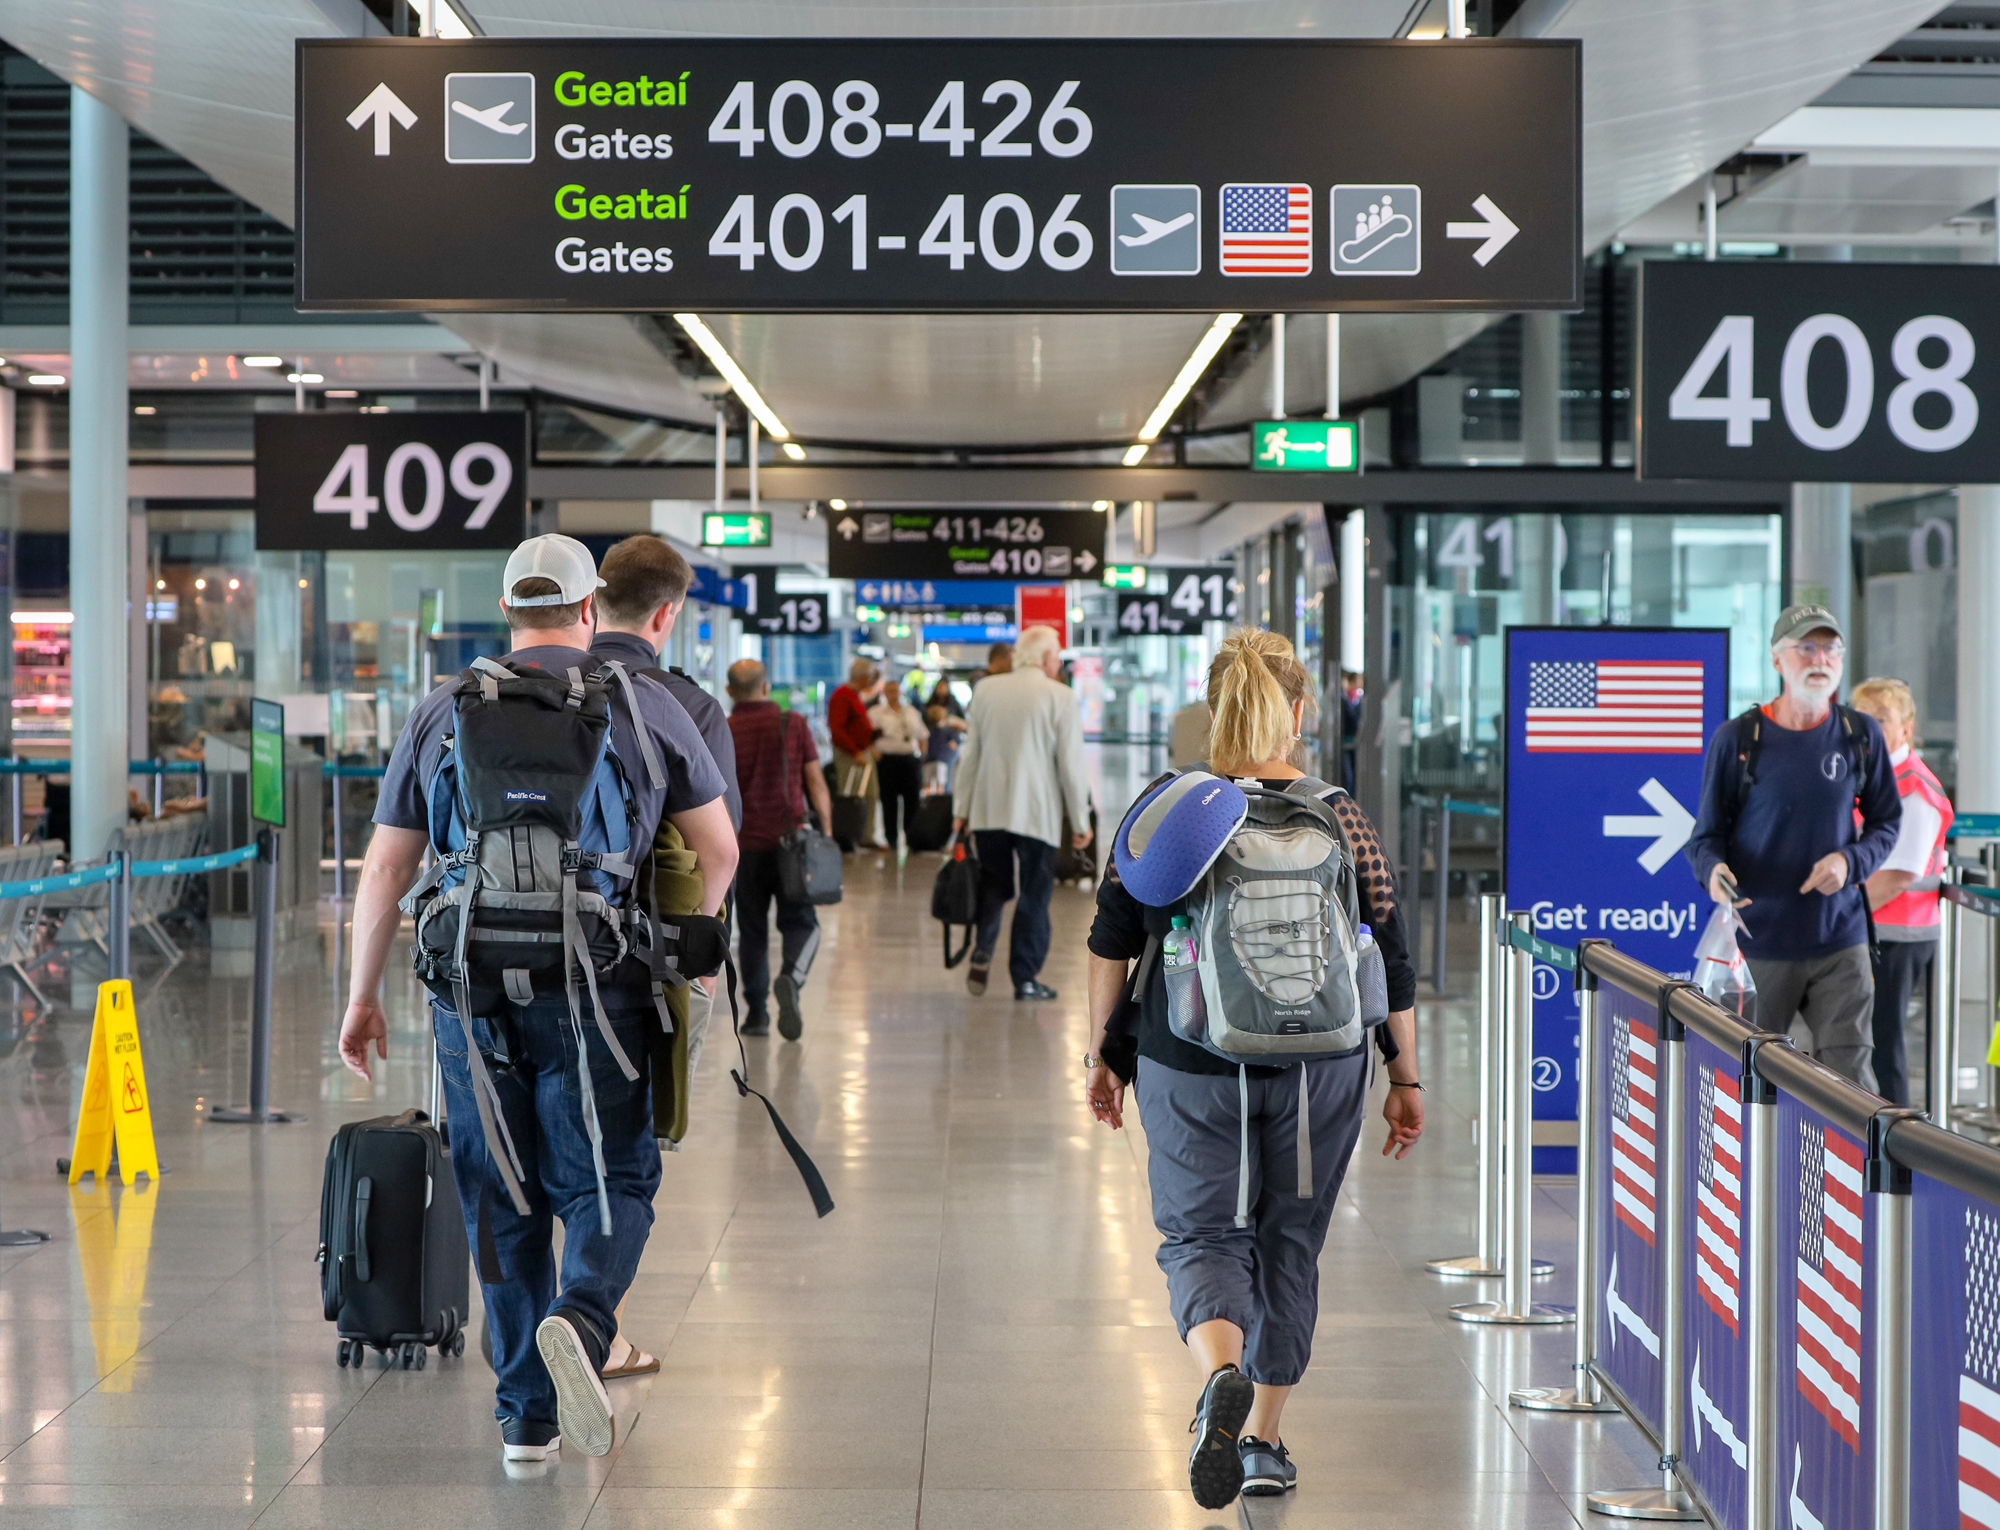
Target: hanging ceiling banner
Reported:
[(1819, 372), (761, 175), (913, 546)]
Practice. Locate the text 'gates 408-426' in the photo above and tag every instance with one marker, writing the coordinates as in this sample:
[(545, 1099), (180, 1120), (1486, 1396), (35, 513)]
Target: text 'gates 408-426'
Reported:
[(1086, 173)]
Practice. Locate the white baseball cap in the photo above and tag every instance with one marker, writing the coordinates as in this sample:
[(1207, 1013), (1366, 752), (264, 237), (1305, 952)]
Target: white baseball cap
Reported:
[(563, 559)]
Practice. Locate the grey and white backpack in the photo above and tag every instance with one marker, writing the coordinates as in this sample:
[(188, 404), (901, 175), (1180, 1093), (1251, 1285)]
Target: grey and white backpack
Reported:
[(1276, 925)]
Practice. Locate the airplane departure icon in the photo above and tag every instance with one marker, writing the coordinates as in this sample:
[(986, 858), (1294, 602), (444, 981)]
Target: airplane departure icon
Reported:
[(490, 117), (1155, 228)]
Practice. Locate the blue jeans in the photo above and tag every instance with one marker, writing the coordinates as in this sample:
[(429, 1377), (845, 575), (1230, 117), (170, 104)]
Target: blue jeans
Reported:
[(1028, 945), (543, 1105)]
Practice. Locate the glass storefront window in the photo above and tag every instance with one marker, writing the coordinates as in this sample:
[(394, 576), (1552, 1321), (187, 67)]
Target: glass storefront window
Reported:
[(1468, 574)]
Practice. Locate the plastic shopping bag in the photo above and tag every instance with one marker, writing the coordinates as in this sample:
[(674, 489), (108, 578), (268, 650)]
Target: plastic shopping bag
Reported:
[(1720, 970)]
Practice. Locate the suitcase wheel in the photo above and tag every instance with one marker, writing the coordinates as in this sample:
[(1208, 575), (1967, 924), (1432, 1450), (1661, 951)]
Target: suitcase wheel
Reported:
[(458, 1343), (412, 1355), (343, 1354)]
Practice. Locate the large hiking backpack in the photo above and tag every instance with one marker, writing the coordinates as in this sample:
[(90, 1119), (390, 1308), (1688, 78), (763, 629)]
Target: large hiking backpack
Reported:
[(533, 826), (1275, 917)]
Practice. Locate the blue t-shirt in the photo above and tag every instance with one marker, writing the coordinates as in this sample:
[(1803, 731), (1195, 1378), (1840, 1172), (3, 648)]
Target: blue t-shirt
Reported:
[(1800, 808)]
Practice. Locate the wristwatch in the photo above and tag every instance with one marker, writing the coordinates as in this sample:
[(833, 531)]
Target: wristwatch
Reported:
[(1092, 1060)]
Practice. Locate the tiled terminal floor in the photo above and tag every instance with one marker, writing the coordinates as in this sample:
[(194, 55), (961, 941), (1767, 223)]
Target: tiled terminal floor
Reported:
[(976, 1340)]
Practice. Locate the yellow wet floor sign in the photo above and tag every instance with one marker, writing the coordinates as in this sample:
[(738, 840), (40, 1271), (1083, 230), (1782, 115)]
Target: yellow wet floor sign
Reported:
[(115, 1105)]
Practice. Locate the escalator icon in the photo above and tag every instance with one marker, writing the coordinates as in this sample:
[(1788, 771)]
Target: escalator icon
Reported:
[(1377, 230)]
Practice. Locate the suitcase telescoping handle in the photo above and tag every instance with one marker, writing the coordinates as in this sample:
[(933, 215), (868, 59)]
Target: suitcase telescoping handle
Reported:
[(363, 1192)]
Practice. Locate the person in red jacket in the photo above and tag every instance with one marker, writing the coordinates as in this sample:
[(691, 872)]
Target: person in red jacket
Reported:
[(1903, 891), (854, 753)]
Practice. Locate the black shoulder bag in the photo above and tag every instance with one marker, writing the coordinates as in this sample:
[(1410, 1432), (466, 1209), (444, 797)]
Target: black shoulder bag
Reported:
[(808, 862)]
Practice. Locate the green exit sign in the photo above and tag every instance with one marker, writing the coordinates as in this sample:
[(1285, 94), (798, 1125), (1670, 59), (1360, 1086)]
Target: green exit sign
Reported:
[(1306, 446), (736, 529), (1125, 576)]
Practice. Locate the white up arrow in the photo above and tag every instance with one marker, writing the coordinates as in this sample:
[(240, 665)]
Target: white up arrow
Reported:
[(1668, 832), (382, 104), (846, 527), (1497, 230)]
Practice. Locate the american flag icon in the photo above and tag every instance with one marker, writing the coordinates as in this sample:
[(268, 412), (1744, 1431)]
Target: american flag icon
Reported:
[(1634, 1069), (1979, 1381), (1718, 1224), (1267, 230), (1615, 706), (1830, 1278)]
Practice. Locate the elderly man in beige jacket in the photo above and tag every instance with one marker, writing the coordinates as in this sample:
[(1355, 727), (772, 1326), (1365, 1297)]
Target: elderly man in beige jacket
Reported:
[(1021, 766)]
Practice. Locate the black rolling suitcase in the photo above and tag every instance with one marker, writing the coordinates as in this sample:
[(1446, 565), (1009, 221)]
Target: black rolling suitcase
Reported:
[(394, 1267), (930, 826)]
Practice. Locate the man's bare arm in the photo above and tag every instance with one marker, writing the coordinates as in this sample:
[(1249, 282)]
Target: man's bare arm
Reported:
[(706, 831), (387, 871)]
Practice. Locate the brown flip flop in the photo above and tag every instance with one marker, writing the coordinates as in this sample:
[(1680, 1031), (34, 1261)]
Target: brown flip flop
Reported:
[(636, 1362)]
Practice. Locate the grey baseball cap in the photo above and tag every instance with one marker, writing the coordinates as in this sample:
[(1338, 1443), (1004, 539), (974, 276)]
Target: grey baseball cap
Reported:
[(1796, 621), (563, 559)]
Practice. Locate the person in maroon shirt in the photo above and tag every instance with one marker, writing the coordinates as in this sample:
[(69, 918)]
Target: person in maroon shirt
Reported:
[(854, 737), (777, 769)]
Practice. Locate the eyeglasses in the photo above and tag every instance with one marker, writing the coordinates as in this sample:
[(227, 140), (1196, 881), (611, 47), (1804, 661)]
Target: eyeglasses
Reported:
[(1835, 650)]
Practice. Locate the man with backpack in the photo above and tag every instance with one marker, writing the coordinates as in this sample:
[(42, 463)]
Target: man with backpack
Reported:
[(539, 783), (1777, 835)]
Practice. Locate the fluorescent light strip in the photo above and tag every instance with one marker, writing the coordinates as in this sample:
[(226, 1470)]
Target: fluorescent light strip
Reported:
[(734, 375), (1190, 373)]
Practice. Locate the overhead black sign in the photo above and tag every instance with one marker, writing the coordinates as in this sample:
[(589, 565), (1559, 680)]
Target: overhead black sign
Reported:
[(767, 611), (754, 175), (1820, 372), (390, 482), (1015, 545)]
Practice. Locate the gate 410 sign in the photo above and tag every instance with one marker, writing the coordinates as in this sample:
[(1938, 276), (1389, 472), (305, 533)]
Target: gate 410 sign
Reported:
[(331, 482), (1818, 372)]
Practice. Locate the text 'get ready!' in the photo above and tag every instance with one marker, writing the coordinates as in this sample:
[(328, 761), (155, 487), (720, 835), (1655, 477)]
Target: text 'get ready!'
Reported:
[(1666, 918)]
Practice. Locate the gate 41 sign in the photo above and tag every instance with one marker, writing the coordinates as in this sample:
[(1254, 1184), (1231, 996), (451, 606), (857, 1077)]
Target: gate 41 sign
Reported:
[(1818, 372), (1194, 596), (390, 481)]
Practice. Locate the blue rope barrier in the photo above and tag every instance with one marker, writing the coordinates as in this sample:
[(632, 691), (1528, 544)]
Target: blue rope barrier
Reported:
[(109, 872), (62, 883), (1542, 950), (215, 862), (31, 767), (1471, 809), (332, 769)]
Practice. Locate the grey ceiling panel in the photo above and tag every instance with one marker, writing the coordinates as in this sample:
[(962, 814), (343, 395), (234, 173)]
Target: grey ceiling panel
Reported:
[(945, 18)]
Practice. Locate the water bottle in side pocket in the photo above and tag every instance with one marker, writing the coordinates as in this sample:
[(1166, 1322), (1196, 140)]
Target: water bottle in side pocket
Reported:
[(1187, 1012), (1371, 978)]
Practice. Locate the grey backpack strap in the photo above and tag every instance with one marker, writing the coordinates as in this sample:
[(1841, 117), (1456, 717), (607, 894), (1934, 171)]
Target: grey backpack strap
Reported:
[(653, 771), (489, 673)]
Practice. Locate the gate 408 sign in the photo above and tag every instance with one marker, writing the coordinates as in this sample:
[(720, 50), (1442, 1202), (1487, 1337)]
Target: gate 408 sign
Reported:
[(333, 481), (1818, 372)]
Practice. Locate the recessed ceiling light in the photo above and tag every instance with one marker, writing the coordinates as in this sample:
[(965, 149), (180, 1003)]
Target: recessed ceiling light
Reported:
[(144, 409), (46, 380), (836, 504), (304, 377), (201, 584), (342, 393), (263, 361), (1100, 505), (723, 362), (236, 584), (795, 451)]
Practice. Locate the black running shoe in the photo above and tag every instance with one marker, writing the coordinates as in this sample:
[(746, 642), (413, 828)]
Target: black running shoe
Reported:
[(1267, 1469), (756, 1024), (525, 1439), (1215, 1465), (1028, 991), (790, 1021)]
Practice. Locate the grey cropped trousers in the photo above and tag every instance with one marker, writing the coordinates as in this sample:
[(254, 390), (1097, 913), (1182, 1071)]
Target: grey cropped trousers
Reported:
[(1263, 1277)]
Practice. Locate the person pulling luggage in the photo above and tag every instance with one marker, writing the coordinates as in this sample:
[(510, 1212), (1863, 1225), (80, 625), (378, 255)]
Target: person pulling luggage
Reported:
[(1245, 1159), (538, 782)]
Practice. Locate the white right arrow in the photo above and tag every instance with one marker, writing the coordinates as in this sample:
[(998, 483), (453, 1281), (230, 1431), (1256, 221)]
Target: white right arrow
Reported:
[(1085, 561), (1668, 832), (382, 104), (1497, 230), (847, 528)]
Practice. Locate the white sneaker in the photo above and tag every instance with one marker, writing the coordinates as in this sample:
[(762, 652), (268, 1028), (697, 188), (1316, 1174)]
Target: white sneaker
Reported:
[(583, 1407)]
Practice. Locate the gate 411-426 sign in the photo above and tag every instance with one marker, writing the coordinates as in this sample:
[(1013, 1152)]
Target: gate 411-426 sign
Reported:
[(1818, 372)]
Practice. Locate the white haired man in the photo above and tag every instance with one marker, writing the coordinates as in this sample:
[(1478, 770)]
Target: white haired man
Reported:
[(1021, 767)]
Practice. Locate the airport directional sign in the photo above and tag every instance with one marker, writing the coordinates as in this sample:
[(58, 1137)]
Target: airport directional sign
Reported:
[(878, 546), (929, 175), (1305, 446)]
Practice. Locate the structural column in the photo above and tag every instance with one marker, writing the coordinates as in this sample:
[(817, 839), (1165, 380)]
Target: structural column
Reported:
[(1822, 537), (99, 416), (1978, 643), (1541, 389)]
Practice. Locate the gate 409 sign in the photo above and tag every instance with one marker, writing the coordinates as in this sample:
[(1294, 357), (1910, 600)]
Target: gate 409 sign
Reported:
[(956, 544)]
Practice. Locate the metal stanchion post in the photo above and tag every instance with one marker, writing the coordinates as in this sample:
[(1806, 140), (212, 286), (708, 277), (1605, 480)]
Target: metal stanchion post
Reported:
[(1667, 1501), (118, 937), (17, 806), (339, 847), (1888, 1187), (159, 788), (1517, 1304), (1441, 891), (1487, 1261), (1413, 875), (262, 986), (1585, 1396), (1760, 1228), (1942, 1037)]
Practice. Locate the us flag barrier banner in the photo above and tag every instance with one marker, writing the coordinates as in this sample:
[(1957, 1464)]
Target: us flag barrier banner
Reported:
[(1716, 1346), (1825, 1240), (1631, 1305), (1954, 1358)]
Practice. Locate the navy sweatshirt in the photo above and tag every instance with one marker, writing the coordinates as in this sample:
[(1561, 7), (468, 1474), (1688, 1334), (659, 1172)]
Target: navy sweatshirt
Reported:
[(1801, 808)]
